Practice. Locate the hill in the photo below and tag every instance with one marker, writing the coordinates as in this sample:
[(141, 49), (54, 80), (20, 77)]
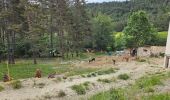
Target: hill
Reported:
[(158, 10)]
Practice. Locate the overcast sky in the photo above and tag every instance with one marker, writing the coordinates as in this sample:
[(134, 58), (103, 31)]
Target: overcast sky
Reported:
[(92, 1)]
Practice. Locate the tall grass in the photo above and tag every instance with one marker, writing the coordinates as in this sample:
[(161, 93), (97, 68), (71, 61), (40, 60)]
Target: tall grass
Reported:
[(142, 86)]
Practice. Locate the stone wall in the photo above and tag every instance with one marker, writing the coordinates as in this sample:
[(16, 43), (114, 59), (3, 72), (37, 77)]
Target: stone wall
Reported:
[(147, 51)]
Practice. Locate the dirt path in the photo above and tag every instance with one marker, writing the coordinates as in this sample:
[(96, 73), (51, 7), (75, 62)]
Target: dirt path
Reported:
[(51, 88)]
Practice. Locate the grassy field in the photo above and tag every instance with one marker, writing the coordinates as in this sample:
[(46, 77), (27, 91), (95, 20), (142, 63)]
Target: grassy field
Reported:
[(26, 69), (143, 89)]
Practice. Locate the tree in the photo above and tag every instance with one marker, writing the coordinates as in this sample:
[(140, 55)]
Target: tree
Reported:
[(103, 32), (139, 30), (34, 16), (81, 25), (120, 41)]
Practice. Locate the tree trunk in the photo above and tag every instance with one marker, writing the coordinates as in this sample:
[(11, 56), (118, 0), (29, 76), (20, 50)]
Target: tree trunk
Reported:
[(34, 57), (0, 58), (10, 43), (51, 38), (72, 54), (77, 53)]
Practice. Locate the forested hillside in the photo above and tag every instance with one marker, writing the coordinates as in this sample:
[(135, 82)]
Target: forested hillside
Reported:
[(158, 11)]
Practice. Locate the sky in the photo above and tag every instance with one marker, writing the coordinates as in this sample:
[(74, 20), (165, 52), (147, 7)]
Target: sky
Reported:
[(94, 1)]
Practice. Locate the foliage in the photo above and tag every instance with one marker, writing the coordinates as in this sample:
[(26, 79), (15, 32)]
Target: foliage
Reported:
[(113, 94), (61, 93), (139, 30), (107, 71), (1, 88), (104, 80), (142, 86), (157, 97), (147, 82), (103, 28), (80, 89), (119, 11), (16, 84), (123, 76), (120, 41)]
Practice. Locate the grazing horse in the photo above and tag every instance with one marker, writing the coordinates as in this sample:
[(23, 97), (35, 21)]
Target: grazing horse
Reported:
[(91, 60), (126, 58), (114, 61), (6, 77), (38, 73)]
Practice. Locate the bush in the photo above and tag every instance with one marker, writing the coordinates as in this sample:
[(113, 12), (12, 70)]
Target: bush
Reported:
[(147, 82), (16, 84), (61, 94), (41, 85), (93, 74), (108, 71), (142, 60), (123, 76), (161, 54), (148, 90), (83, 76), (157, 97), (104, 80), (80, 89), (1, 88), (86, 85), (89, 75), (113, 94)]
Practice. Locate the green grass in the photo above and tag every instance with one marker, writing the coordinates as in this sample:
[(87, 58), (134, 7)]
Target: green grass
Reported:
[(80, 71), (104, 80), (113, 79), (107, 71), (21, 70), (25, 69), (124, 76), (113, 94), (147, 82), (157, 97), (81, 88), (144, 85)]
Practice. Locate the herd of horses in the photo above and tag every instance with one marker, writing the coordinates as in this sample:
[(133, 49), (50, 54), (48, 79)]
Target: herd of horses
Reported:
[(124, 58)]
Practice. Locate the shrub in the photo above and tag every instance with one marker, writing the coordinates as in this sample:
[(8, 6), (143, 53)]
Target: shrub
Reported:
[(93, 74), (89, 75), (86, 85), (113, 94), (123, 76), (157, 97), (104, 80), (149, 90), (41, 85), (61, 94), (1, 88), (147, 82), (162, 54), (16, 84), (83, 76), (108, 71), (80, 89)]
